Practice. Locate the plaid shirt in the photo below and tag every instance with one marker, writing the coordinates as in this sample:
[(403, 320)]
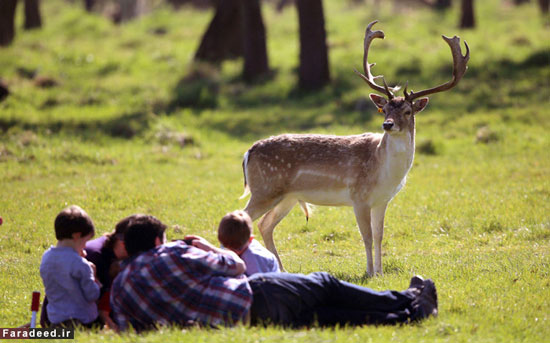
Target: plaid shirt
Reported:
[(176, 283)]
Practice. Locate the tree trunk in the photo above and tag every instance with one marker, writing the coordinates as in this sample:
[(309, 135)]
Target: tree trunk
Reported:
[(314, 68), (254, 41), (442, 4), (4, 91), (223, 38), (7, 21), (202, 4), (467, 20), (89, 5), (32, 14), (544, 6), (130, 9)]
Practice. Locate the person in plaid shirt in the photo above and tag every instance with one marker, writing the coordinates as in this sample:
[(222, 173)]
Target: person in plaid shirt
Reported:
[(177, 283), (198, 283)]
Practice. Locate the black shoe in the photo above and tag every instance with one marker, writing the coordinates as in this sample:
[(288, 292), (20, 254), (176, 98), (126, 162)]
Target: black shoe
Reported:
[(416, 285), (425, 304), (417, 282), (431, 292)]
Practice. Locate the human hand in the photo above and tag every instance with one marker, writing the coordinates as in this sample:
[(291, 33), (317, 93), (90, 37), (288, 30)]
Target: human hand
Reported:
[(200, 242), (94, 270), (109, 323), (92, 265), (205, 245)]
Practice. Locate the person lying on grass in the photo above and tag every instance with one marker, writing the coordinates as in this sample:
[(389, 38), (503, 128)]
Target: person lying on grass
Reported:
[(235, 233), (69, 279), (181, 284)]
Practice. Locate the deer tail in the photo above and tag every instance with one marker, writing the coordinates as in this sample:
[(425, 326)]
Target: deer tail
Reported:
[(306, 208), (246, 188)]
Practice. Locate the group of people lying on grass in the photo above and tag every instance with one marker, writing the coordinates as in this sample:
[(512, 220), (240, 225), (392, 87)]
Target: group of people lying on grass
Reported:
[(133, 278)]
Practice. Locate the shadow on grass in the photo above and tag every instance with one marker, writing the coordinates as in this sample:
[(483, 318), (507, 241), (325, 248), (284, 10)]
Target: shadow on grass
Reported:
[(267, 107), (493, 85), (126, 126), (198, 90), (355, 279)]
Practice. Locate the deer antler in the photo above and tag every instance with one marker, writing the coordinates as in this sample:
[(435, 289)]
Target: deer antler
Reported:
[(459, 68), (369, 78)]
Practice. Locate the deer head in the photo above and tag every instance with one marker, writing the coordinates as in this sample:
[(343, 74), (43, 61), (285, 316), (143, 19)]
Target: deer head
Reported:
[(399, 111)]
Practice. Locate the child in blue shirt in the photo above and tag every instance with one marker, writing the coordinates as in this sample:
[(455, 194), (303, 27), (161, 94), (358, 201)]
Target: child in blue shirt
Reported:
[(69, 279), (235, 233)]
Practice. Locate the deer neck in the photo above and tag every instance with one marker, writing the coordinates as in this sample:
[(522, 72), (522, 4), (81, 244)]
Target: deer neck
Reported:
[(397, 150)]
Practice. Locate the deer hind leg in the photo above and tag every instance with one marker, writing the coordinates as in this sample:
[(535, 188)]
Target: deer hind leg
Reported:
[(270, 220), (363, 217), (377, 224)]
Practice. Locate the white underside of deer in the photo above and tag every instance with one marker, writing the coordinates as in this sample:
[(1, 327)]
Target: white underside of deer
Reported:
[(363, 171)]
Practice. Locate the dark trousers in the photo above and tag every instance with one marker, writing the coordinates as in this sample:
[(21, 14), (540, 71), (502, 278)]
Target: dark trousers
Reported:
[(300, 300)]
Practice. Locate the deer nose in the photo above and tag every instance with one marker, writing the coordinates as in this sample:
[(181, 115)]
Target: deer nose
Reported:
[(387, 125)]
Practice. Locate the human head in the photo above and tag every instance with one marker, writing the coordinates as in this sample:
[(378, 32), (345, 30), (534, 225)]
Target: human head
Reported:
[(73, 222), (142, 233), (115, 239), (235, 230)]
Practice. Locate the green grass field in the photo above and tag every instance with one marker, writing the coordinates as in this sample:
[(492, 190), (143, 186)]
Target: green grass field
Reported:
[(474, 216)]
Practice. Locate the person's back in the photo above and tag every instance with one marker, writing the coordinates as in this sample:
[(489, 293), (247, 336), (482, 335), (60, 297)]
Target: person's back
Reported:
[(69, 284), (101, 260), (235, 233), (258, 259), (68, 278), (176, 283)]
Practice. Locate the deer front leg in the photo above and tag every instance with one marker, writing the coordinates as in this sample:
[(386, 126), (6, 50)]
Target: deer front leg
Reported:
[(267, 224), (377, 223), (362, 215), (258, 205)]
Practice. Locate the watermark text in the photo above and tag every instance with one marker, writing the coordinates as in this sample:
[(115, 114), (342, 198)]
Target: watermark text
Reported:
[(36, 333)]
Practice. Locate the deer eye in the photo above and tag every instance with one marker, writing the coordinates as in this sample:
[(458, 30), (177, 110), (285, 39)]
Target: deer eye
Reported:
[(407, 112)]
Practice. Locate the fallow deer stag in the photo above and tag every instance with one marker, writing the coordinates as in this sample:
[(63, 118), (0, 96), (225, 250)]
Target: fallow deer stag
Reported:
[(364, 171)]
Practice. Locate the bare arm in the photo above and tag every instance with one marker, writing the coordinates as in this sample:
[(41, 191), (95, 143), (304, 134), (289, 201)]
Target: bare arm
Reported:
[(203, 244)]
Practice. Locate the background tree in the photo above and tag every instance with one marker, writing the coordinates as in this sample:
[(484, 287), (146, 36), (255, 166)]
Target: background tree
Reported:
[(442, 4), (32, 14), (7, 21), (89, 5), (254, 41), (314, 69), (131, 9), (223, 37), (194, 3), (4, 91), (436, 4), (544, 6), (467, 19), (236, 30)]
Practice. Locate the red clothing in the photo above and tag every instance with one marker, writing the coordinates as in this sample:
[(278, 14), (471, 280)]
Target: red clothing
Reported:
[(103, 304)]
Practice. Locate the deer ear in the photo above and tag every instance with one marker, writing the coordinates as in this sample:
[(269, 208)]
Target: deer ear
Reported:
[(420, 104), (378, 100)]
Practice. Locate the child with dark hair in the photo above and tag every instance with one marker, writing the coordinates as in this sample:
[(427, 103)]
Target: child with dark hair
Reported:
[(106, 252), (235, 233), (69, 279)]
